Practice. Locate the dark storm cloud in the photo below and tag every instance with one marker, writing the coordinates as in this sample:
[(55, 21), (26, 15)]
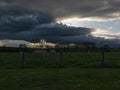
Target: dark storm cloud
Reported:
[(63, 8), (33, 20), (55, 33), (22, 24)]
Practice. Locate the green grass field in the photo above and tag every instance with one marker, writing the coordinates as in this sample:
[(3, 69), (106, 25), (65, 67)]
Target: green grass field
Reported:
[(80, 71)]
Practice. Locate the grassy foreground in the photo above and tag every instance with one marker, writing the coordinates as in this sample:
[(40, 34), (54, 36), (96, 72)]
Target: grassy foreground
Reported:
[(81, 71), (60, 79)]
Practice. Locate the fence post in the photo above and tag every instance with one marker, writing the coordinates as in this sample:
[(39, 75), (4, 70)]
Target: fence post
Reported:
[(61, 62), (22, 57), (102, 56)]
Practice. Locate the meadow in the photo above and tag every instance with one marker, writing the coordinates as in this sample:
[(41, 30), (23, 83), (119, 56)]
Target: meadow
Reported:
[(80, 71)]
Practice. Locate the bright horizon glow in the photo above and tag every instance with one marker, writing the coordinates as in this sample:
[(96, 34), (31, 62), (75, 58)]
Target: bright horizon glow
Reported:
[(78, 22), (104, 34), (69, 21), (107, 29)]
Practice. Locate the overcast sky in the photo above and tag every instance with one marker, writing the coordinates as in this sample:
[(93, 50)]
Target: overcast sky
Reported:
[(72, 21)]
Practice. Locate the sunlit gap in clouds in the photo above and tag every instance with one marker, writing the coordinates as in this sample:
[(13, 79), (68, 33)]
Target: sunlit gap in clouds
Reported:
[(75, 21), (104, 28), (105, 34)]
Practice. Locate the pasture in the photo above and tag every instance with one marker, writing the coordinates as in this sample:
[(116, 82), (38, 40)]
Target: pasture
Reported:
[(80, 71)]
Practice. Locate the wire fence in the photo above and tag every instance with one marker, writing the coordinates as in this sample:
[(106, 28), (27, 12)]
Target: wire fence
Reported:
[(60, 59)]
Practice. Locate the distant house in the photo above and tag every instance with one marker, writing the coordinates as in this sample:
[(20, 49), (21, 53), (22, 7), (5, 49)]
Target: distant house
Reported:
[(42, 44)]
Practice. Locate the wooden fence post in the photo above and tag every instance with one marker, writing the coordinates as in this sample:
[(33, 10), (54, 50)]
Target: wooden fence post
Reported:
[(102, 56), (22, 57), (61, 62)]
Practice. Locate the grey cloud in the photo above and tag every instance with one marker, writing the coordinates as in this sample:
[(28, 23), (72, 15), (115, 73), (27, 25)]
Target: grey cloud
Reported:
[(66, 8), (63, 30), (83, 8), (54, 34), (24, 25), (21, 20)]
